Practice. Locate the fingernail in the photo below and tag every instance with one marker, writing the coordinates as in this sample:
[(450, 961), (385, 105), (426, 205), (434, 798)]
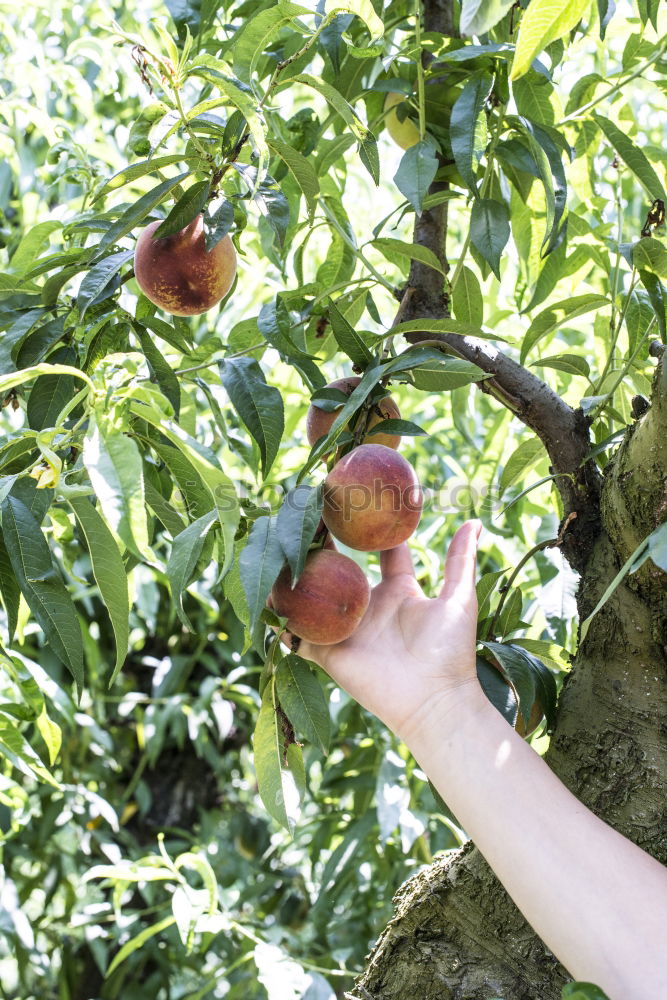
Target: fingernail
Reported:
[(477, 527)]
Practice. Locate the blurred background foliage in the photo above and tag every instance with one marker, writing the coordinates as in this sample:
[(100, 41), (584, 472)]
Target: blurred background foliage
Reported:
[(132, 832)]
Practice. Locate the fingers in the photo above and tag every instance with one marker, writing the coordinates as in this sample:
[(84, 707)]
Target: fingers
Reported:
[(396, 562), (461, 562)]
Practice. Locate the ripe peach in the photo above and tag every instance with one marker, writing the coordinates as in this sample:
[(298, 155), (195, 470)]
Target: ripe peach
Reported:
[(372, 499), (178, 274), (318, 422), (329, 600)]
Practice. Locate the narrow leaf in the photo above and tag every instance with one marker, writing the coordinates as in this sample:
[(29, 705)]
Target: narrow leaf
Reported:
[(41, 585), (297, 523), (260, 406), (302, 698), (259, 565), (490, 230), (109, 573), (185, 552)]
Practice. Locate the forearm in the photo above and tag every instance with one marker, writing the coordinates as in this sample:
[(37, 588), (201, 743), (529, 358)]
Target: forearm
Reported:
[(596, 900)]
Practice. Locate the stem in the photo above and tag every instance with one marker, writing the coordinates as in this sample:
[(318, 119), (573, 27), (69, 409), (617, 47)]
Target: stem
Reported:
[(616, 329), (616, 87), (355, 249), (203, 152), (420, 71), (491, 631), (622, 373)]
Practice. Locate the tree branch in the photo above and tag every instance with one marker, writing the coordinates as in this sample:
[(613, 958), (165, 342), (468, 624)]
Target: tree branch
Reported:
[(563, 431)]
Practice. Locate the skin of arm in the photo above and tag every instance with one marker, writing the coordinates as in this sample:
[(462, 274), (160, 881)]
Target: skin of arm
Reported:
[(596, 899)]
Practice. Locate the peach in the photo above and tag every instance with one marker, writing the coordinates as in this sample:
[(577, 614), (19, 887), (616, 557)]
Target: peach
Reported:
[(178, 274), (329, 600), (372, 499), (318, 422)]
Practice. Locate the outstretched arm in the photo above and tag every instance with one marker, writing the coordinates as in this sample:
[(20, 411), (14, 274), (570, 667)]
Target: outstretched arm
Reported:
[(597, 901)]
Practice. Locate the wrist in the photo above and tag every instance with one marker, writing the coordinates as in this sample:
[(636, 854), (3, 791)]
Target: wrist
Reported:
[(454, 708)]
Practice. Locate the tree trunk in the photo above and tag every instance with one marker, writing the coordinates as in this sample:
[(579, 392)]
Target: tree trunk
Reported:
[(456, 935)]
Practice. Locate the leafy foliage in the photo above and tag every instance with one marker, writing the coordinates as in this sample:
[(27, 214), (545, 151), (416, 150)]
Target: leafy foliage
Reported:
[(150, 466)]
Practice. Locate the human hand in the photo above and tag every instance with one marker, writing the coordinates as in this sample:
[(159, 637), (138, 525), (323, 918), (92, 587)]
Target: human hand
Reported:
[(410, 652)]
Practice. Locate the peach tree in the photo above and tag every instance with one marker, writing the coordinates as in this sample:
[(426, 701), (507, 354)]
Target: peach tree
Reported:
[(446, 221)]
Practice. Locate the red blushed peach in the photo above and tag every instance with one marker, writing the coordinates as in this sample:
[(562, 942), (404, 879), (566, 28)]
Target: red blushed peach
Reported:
[(329, 600), (372, 499), (318, 422), (178, 274)]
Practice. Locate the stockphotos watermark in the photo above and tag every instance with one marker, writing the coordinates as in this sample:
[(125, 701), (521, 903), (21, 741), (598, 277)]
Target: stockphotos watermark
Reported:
[(454, 497)]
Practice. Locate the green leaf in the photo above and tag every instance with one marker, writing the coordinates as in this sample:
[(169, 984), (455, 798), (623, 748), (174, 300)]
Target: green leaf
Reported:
[(273, 781), (573, 364), (395, 250), (499, 693), (348, 339), (15, 747), (542, 23), (99, 277), (9, 589), (303, 701), (215, 73), (260, 406), (113, 462), (187, 208), (297, 523), (136, 213), (51, 733), (12, 338), (656, 294), (253, 40), (467, 298), (650, 255), (32, 243), (138, 941), (489, 230), (302, 171), (368, 142), (41, 585), (582, 991), (416, 172), (259, 565), (185, 552), (446, 375), (136, 170), (550, 165), (50, 394), (217, 223), (556, 315), (634, 157), (275, 324), (405, 428), (161, 371), (198, 465), (457, 326), (109, 573), (479, 16), (467, 127), (363, 9), (523, 458)]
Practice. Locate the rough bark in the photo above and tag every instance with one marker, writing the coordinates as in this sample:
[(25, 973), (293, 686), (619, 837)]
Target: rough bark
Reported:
[(456, 935)]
